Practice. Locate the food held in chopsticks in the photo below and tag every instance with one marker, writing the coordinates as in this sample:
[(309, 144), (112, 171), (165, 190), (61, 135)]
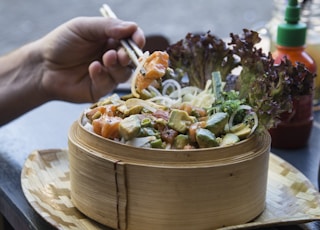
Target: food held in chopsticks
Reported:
[(155, 67), (149, 67)]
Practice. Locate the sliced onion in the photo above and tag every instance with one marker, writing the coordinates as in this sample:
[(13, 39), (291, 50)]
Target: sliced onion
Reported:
[(149, 105), (116, 100), (137, 72), (203, 99), (164, 100), (171, 83), (193, 90), (249, 108), (140, 141), (154, 90), (88, 127), (256, 121)]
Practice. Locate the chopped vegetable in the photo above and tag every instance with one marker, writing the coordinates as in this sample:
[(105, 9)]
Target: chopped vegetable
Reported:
[(217, 122), (157, 143), (181, 141), (217, 85), (244, 132), (130, 127), (237, 127), (229, 139), (205, 138), (141, 141), (180, 121)]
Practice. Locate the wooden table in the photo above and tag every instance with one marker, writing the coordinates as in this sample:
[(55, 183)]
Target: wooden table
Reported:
[(47, 127)]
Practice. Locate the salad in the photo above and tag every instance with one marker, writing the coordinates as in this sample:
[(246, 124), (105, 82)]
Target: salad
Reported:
[(190, 97)]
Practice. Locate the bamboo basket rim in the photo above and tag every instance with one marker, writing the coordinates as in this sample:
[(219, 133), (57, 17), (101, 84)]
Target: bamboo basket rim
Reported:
[(204, 157)]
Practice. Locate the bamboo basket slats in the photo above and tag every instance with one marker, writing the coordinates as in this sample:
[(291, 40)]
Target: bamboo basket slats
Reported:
[(85, 185), (136, 188), (202, 202), (45, 181), (121, 187)]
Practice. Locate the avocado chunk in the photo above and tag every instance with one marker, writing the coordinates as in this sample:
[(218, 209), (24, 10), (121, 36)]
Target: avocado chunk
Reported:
[(130, 127), (179, 120), (180, 141), (229, 139), (156, 144), (205, 138), (237, 127), (244, 132), (216, 123)]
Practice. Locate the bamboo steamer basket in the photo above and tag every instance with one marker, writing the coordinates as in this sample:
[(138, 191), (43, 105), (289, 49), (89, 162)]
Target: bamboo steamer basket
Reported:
[(131, 188)]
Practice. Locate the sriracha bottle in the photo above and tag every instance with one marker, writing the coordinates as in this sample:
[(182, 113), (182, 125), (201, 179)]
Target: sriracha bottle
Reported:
[(295, 127)]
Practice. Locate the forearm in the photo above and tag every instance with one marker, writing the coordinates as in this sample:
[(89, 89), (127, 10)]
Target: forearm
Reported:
[(20, 82)]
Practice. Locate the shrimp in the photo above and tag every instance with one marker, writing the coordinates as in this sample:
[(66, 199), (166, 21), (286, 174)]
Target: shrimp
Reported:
[(155, 66)]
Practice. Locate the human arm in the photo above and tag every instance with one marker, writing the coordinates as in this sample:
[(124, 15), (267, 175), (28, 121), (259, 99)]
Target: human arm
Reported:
[(80, 61)]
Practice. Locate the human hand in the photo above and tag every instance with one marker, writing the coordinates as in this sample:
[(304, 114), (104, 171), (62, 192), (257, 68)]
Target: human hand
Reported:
[(82, 60)]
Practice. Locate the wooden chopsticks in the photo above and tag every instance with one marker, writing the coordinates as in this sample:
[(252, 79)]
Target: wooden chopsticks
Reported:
[(133, 51)]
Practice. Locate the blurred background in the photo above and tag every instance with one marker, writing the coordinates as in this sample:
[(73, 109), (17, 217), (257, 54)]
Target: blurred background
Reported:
[(22, 21)]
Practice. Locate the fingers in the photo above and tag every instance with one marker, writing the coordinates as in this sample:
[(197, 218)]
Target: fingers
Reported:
[(112, 64), (105, 77), (112, 69), (97, 29), (139, 39), (101, 83)]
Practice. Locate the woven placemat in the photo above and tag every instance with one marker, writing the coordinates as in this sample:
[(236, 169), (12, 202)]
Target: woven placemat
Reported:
[(291, 198)]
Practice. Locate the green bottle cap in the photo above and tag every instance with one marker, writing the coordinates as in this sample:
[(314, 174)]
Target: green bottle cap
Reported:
[(292, 32)]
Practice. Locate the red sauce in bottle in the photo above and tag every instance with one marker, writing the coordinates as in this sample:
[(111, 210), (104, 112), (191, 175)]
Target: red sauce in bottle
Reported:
[(295, 128)]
